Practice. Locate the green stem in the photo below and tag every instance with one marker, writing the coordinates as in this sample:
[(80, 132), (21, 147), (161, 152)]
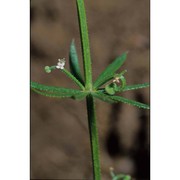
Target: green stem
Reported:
[(65, 71), (93, 137), (88, 85), (85, 43)]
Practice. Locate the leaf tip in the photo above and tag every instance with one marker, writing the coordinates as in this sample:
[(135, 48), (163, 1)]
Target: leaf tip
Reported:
[(73, 41)]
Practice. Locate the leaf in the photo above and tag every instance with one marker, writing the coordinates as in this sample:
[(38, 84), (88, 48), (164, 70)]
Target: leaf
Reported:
[(119, 176), (127, 88), (74, 62), (133, 87), (108, 73), (53, 89), (122, 177), (53, 95), (131, 102), (116, 99), (65, 71), (85, 43), (57, 92)]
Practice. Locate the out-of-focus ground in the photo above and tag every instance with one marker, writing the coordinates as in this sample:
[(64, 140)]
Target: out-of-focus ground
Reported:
[(59, 134)]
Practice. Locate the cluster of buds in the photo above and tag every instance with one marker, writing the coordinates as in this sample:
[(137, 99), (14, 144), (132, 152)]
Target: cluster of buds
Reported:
[(112, 88), (116, 80), (60, 65), (118, 77)]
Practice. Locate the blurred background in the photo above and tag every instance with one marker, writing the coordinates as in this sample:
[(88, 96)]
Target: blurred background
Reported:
[(60, 147)]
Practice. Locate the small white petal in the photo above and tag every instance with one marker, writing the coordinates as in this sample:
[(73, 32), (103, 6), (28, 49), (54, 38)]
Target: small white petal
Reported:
[(61, 63), (62, 67)]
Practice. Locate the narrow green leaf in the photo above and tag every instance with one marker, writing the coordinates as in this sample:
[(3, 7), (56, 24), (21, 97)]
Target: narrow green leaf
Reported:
[(57, 92), (85, 43), (65, 71), (122, 177), (133, 87), (127, 88), (53, 89), (116, 99), (108, 73), (74, 62), (53, 95), (129, 101)]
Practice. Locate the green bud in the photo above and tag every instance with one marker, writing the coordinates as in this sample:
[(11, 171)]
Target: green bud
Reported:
[(110, 89), (115, 87), (47, 69)]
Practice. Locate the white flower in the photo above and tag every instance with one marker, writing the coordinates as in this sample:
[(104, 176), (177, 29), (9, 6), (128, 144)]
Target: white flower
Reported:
[(61, 63), (116, 79)]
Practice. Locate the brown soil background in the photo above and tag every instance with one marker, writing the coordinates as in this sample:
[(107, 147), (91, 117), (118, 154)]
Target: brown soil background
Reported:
[(59, 134)]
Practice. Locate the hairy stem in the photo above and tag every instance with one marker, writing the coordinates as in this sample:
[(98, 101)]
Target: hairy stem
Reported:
[(93, 131), (73, 78), (93, 137), (85, 43)]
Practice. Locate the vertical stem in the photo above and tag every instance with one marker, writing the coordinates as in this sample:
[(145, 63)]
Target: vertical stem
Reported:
[(93, 137), (88, 85), (85, 43)]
